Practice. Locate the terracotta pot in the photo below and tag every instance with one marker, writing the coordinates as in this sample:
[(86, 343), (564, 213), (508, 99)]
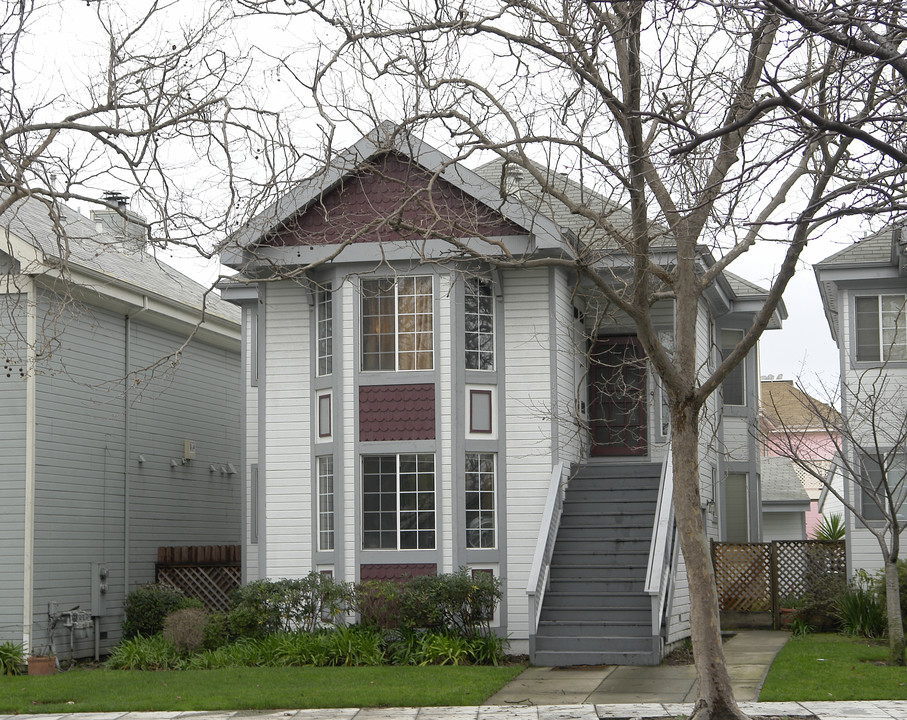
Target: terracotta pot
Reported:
[(42, 664)]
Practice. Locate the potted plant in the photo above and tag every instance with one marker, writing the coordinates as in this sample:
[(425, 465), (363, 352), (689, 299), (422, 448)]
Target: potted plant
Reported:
[(42, 664)]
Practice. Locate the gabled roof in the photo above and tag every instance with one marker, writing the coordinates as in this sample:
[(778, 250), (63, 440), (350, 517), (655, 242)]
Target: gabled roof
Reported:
[(382, 140), (74, 246), (875, 249), (787, 407), (780, 484)]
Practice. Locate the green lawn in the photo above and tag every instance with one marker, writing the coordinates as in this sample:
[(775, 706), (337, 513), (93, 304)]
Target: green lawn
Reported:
[(833, 667), (252, 688)]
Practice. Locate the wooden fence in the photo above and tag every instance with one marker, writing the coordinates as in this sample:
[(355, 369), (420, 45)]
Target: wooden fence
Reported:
[(755, 580), (207, 572)]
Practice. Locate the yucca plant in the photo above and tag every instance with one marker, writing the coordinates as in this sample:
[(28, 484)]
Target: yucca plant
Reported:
[(831, 527), (11, 658)]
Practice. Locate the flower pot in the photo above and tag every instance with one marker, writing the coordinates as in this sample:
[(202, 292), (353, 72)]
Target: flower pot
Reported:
[(42, 664)]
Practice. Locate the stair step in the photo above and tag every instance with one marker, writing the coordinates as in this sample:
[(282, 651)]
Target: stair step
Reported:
[(578, 541), (593, 628), (598, 507), (593, 643), (617, 495), (622, 470), (546, 658), (641, 616), (590, 598), (587, 523), (601, 585)]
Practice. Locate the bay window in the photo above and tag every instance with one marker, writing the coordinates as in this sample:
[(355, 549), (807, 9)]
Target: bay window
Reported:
[(397, 324), (398, 502)]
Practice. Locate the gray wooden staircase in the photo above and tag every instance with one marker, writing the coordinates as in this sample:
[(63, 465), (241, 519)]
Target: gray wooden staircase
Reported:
[(595, 610)]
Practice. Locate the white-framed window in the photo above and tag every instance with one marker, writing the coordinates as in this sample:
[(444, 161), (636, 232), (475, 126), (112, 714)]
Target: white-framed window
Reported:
[(481, 422), (398, 501), (397, 323), (325, 423), (324, 311), (325, 467), (733, 389), (479, 324), (481, 520), (881, 328)]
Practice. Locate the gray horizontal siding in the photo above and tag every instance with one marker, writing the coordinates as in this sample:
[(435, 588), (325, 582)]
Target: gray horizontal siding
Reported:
[(82, 460), (12, 472)]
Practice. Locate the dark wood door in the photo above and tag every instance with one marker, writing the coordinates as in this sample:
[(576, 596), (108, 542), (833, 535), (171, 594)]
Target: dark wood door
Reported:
[(618, 397)]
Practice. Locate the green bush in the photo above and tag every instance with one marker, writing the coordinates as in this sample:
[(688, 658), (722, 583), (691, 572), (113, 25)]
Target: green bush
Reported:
[(378, 603), (452, 603), (860, 611), (146, 608), (216, 634), (185, 629), (878, 583), (266, 607), (11, 658), (145, 653)]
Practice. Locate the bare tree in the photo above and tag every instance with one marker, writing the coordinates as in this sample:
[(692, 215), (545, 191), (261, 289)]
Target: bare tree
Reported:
[(716, 126), (154, 103), (869, 471)]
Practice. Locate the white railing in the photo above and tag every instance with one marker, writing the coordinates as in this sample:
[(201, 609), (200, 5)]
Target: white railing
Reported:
[(541, 560), (660, 550)]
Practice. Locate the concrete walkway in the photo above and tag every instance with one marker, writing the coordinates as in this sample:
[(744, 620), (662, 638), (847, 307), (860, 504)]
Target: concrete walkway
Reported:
[(749, 654)]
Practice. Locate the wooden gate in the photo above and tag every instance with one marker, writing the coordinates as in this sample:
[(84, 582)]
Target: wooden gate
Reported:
[(207, 572), (755, 580)]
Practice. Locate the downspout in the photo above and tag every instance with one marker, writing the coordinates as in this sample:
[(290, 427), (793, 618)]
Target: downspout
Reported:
[(127, 440), (28, 568)]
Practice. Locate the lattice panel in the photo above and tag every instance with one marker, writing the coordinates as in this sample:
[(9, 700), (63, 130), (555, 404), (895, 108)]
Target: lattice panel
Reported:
[(212, 585), (743, 576), (806, 566)]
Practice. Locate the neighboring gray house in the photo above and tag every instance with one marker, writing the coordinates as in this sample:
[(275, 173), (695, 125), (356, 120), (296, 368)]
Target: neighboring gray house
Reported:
[(408, 414), (864, 294), (116, 435), (785, 501)]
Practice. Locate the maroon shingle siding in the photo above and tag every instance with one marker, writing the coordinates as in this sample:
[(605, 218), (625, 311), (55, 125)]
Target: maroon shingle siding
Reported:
[(397, 412), (380, 203), (393, 571)]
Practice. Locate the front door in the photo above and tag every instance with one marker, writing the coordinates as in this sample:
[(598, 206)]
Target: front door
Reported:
[(618, 397)]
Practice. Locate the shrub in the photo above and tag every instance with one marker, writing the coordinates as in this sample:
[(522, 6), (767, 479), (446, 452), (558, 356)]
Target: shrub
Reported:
[(861, 611), (216, 634), (378, 603), (185, 629), (11, 658), (879, 586), (146, 608), (266, 607), (144, 653)]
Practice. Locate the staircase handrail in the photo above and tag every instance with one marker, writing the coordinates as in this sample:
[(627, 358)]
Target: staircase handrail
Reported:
[(544, 547), (658, 568)]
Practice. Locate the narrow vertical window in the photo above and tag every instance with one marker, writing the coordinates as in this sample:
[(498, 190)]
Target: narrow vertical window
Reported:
[(479, 319), (253, 504), (325, 502), (480, 500), (324, 416), (480, 412), (734, 385), (325, 324)]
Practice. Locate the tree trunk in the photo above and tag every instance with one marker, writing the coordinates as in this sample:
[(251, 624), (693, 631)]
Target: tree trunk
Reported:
[(895, 622), (716, 697)]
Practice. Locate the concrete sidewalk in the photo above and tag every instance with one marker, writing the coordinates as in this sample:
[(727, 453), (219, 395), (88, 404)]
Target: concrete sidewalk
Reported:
[(749, 654), (662, 711)]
